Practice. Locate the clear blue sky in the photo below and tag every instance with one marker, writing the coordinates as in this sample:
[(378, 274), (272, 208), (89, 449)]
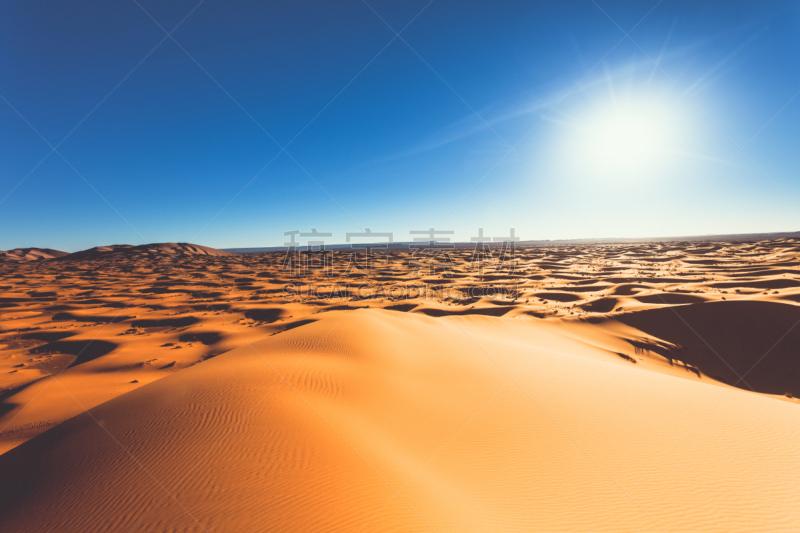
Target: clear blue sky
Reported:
[(537, 115)]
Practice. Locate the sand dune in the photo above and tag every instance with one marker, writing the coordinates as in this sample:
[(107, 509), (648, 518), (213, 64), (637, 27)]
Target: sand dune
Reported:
[(30, 254), (372, 420), (128, 251), (589, 388)]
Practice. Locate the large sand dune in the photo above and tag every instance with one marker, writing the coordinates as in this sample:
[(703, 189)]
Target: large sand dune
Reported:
[(376, 421), (599, 388)]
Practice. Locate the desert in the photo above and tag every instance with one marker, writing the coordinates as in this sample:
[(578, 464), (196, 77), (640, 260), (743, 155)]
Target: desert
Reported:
[(382, 266), (177, 387)]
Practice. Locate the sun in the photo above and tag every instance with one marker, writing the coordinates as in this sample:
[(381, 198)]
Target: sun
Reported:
[(626, 139)]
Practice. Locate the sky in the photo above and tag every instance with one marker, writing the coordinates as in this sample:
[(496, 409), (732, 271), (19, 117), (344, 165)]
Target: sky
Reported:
[(229, 123)]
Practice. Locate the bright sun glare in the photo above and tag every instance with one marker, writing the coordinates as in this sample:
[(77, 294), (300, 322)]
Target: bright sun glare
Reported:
[(626, 140)]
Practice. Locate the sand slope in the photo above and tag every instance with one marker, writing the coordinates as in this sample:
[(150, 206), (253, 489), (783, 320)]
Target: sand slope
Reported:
[(392, 421)]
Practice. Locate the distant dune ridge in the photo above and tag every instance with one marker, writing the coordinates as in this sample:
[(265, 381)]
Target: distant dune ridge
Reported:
[(636, 387), (30, 254), (127, 250), (739, 237)]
